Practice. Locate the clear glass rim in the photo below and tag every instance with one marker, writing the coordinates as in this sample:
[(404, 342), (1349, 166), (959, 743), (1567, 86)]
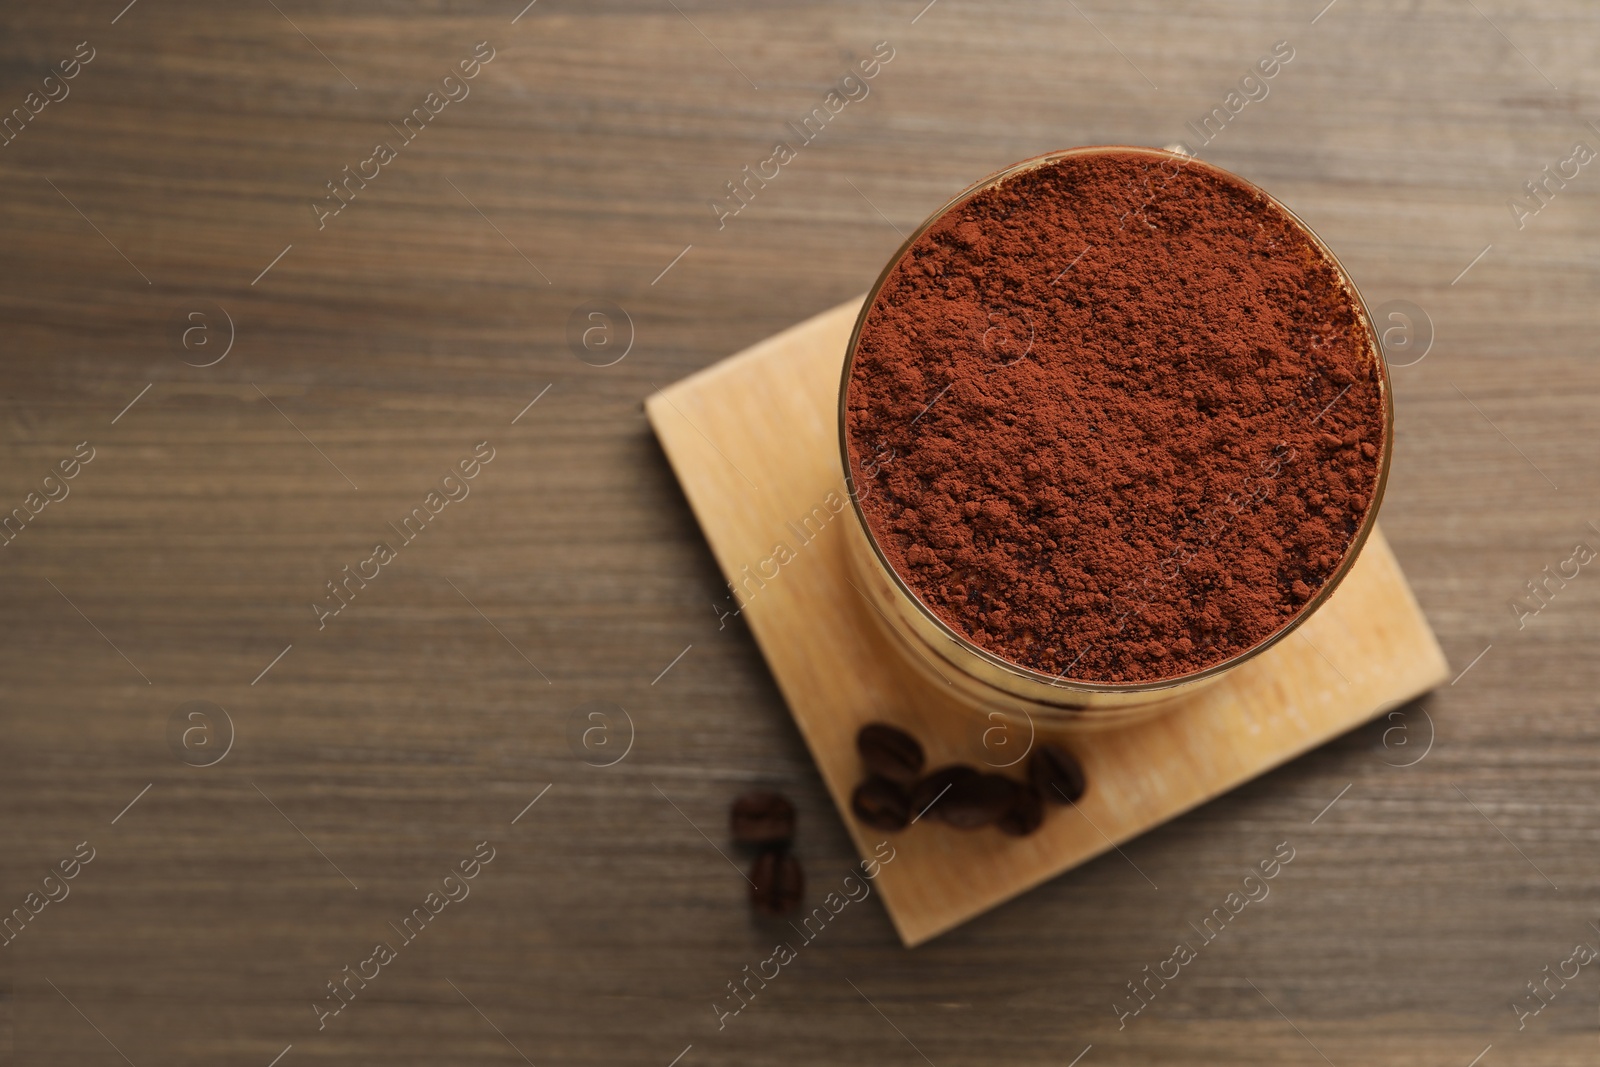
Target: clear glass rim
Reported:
[(1026, 674)]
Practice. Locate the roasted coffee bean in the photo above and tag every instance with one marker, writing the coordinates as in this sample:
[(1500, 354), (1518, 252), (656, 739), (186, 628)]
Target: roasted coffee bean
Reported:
[(1055, 773), (931, 792), (881, 804), (890, 753), (1026, 813), (777, 883), (762, 819), (978, 801)]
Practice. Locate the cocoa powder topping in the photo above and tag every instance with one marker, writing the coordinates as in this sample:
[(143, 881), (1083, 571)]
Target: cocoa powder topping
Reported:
[(1115, 418)]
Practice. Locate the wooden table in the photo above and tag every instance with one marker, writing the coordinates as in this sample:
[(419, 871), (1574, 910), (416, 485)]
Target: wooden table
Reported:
[(170, 188)]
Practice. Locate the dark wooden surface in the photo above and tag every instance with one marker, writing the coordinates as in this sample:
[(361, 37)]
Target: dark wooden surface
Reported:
[(413, 726)]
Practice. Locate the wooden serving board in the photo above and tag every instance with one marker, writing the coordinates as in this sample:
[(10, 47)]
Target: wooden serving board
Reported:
[(753, 440)]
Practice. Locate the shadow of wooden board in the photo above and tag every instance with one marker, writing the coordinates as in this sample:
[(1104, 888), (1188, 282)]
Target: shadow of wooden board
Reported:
[(754, 442)]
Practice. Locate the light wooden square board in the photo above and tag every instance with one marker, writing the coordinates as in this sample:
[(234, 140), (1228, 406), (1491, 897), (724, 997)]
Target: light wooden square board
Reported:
[(754, 442)]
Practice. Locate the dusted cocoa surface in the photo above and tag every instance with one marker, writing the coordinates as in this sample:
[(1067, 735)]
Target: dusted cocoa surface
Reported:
[(1115, 419)]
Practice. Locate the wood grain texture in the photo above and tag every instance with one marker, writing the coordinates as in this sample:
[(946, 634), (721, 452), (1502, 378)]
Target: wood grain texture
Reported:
[(769, 521), (415, 325)]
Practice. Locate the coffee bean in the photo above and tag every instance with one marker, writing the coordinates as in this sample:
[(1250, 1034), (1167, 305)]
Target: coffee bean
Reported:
[(881, 804), (1055, 773), (978, 801), (761, 819), (890, 753), (1026, 813), (777, 883), (931, 792)]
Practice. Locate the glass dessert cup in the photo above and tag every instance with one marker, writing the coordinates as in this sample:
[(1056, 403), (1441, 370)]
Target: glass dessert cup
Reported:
[(991, 683)]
